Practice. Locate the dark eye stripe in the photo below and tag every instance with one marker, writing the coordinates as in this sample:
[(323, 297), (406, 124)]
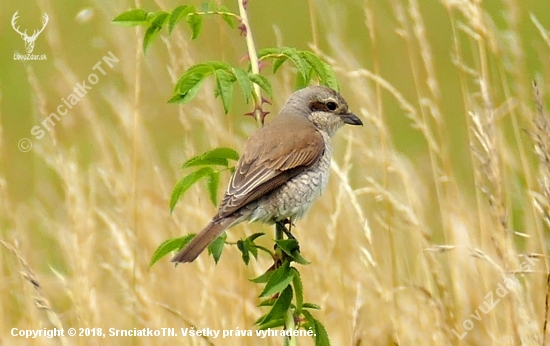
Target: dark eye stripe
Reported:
[(329, 106)]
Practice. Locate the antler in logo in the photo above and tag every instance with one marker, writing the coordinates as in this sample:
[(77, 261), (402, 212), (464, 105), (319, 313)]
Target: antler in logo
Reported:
[(29, 40)]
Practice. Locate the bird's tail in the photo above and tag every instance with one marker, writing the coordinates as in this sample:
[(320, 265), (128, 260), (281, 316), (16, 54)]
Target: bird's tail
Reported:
[(197, 245)]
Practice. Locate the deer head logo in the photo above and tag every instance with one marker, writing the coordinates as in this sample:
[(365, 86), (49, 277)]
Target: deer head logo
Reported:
[(29, 40)]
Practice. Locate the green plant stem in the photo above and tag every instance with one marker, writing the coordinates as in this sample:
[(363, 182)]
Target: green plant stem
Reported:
[(290, 325), (253, 57)]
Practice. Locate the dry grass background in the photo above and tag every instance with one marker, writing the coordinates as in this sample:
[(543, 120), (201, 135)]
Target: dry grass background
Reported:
[(441, 196)]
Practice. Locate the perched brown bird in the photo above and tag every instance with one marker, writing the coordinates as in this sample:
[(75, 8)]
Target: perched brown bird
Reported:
[(284, 167)]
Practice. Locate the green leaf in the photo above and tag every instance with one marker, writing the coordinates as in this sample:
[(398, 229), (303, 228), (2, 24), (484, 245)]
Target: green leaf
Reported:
[(309, 318), (280, 279), (216, 247), (311, 306), (262, 82), (178, 14), (291, 248), (192, 76), (298, 289), (331, 81), (218, 156), (301, 64), (189, 83), (280, 307), (243, 247), (224, 87), (275, 323), (267, 302), (248, 247), (195, 23), (227, 17), (263, 278), (269, 51), (255, 236), (185, 183), (187, 96), (132, 18), (212, 183), (205, 161), (301, 82), (321, 335), (319, 332), (278, 62), (168, 246), (244, 82), (154, 29), (317, 65)]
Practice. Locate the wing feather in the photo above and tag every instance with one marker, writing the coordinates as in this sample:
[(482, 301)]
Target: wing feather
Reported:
[(274, 154)]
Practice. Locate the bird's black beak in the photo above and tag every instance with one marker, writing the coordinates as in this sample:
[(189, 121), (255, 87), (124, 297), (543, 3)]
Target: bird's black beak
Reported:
[(351, 119)]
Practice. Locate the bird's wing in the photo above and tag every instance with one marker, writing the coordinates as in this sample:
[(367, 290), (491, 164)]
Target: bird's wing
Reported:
[(275, 153)]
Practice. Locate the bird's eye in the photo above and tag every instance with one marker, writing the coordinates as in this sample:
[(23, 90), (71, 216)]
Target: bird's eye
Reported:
[(332, 106)]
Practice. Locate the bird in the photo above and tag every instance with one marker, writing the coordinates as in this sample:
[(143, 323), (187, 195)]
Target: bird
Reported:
[(284, 167)]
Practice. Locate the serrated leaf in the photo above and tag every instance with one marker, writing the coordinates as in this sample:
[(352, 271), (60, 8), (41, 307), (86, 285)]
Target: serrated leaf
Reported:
[(301, 82), (218, 156), (278, 62), (131, 18), (269, 51), (205, 161), (277, 282), (154, 29), (278, 322), (229, 19), (168, 246), (224, 87), (255, 236), (309, 318), (319, 332), (218, 65), (311, 306), (189, 83), (263, 278), (288, 245), (244, 249), (267, 302), (212, 183), (298, 290), (195, 23), (301, 64), (262, 82), (187, 97), (185, 183), (244, 82), (291, 248), (280, 307), (331, 81), (317, 64), (192, 76), (321, 335), (298, 258), (216, 247), (259, 320), (178, 14)]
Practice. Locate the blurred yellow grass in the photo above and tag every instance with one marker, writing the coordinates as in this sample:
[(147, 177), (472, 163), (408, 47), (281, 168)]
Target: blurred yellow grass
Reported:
[(432, 208)]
